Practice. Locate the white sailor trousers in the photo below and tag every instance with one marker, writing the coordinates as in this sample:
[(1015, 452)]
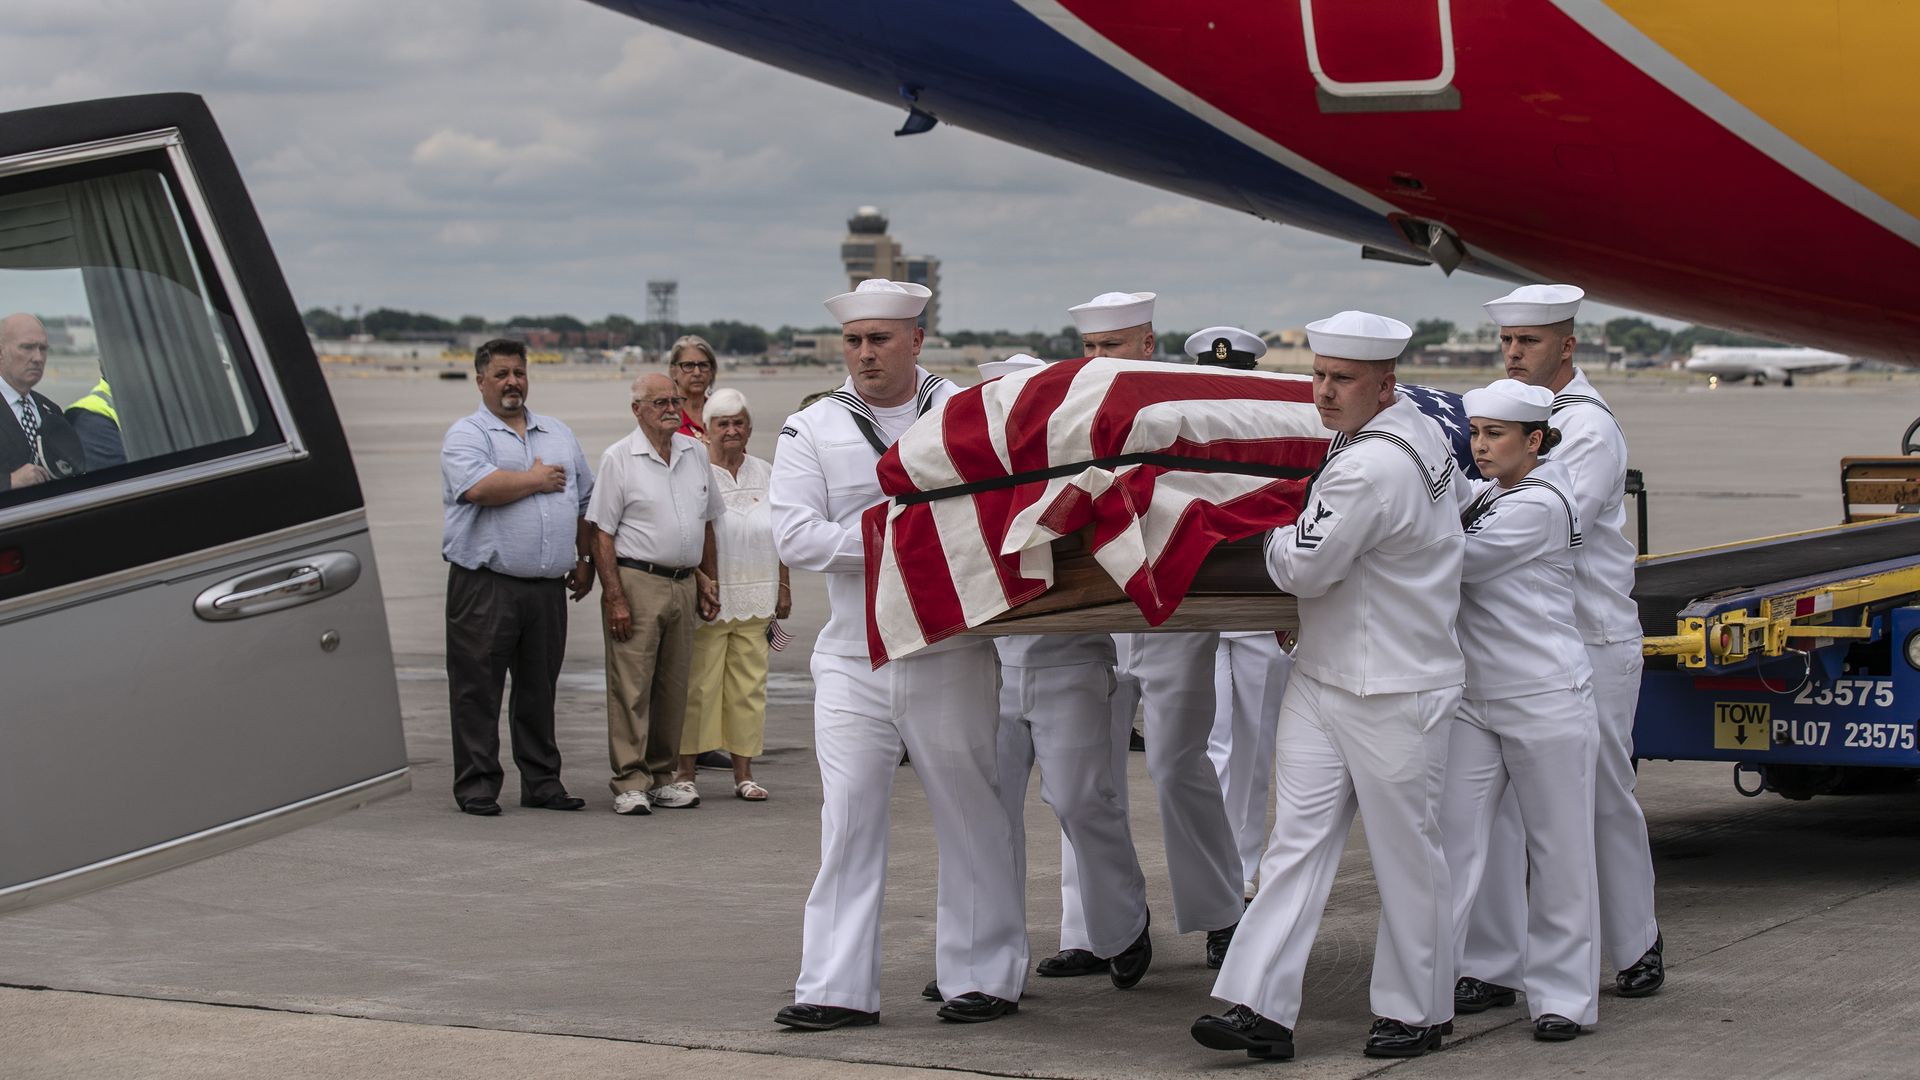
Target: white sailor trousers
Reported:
[(1542, 748), (1122, 704), (1176, 690), (1496, 927), (1624, 854), (1249, 678), (1060, 717), (943, 706), (1386, 756)]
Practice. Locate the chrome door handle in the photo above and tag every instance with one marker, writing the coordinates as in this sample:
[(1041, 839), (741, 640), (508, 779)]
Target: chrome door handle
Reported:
[(303, 581), (282, 585)]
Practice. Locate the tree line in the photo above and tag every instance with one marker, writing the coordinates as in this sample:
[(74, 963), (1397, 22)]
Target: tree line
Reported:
[(1638, 336)]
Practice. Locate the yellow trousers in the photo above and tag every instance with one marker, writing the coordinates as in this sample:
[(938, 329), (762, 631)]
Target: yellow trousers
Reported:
[(727, 689)]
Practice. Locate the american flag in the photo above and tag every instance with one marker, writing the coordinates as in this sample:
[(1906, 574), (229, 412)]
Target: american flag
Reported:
[(777, 637), (1446, 409), (1163, 461)]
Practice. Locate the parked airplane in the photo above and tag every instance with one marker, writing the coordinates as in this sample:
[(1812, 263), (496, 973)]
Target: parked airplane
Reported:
[(1748, 169), (1734, 363)]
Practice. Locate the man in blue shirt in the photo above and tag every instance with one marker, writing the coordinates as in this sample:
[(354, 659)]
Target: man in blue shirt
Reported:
[(515, 486)]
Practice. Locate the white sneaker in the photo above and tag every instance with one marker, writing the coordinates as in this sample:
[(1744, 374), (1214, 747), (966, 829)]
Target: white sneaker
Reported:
[(681, 795), (631, 802)]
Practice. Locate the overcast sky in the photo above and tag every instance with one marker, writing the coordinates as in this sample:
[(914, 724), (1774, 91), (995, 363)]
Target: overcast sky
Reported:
[(497, 157)]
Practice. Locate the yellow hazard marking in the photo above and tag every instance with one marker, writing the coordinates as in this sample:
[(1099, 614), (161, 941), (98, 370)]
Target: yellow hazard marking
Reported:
[(1742, 725)]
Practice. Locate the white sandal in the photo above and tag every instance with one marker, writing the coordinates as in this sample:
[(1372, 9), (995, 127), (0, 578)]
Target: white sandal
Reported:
[(750, 790)]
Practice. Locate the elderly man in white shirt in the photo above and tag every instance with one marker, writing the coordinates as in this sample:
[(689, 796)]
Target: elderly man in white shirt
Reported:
[(653, 507)]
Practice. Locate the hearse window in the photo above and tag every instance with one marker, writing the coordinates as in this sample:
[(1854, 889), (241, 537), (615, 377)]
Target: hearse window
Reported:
[(112, 327)]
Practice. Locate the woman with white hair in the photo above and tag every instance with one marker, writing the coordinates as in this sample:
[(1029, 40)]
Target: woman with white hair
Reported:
[(727, 687), (692, 367)]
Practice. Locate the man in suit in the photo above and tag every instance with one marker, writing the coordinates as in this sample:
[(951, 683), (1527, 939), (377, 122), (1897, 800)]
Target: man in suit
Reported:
[(36, 442)]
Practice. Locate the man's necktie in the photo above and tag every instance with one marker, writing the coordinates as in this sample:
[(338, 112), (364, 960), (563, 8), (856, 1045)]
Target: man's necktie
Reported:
[(30, 423)]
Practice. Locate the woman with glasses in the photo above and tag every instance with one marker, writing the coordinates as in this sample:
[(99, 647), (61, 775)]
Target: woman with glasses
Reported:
[(692, 365)]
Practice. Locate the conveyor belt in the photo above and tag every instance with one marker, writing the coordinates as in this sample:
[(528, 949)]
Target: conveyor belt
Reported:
[(1666, 584)]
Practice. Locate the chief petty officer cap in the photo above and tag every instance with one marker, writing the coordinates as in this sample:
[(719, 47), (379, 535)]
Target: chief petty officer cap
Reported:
[(1226, 346), (1358, 335), (1112, 311), (878, 298), (1510, 399), (1535, 305), (993, 369)]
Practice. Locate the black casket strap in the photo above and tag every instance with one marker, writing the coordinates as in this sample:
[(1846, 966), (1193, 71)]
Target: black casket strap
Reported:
[(1169, 461)]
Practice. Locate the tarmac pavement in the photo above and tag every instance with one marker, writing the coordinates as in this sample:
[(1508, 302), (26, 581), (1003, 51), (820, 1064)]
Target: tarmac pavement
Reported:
[(409, 940)]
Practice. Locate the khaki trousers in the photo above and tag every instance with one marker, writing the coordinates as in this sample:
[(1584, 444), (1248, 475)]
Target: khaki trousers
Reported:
[(647, 680), (727, 694)]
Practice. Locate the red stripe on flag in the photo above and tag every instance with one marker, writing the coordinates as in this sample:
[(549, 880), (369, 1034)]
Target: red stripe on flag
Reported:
[(969, 445), (1027, 421)]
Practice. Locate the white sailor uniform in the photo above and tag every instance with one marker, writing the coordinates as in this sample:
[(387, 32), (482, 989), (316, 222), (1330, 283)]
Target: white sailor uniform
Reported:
[(1528, 718), (1594, 450), (1375, 563), (1055, 710), (1249, 678), (1175, 673), (823, 478)]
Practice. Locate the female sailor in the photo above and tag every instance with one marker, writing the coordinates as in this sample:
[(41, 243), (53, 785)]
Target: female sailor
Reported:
[(1527, 717)]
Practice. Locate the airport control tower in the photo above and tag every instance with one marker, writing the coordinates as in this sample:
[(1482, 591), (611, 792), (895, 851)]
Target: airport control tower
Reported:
[(868, 252)]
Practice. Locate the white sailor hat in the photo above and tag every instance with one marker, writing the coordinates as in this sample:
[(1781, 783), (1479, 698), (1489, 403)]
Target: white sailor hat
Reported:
[(1113, 311), (1510, 399), (1358, 335), (1535, 305), (1226, 346), (993, 369), (878, 298)]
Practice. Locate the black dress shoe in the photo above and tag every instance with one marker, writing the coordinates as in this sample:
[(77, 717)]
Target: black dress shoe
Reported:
[(1470, 995), (1393, 1039), (1555, 1028), (559, 800), (976, 1008), (1070, 962), (823, 1017), (1127, 968), (1217, 942), (713, 759), (1136, 742), (931, 991), (480, 808), (1647, 974), (1240, 1028)]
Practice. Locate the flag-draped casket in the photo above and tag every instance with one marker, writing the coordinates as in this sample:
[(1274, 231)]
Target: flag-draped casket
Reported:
[(1159, 462)]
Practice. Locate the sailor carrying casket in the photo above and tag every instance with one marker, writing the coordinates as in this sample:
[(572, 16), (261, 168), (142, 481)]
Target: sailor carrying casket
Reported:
[(1537, 341), (1526, 724), (941, 704), (1174, 676), (1374, 561)]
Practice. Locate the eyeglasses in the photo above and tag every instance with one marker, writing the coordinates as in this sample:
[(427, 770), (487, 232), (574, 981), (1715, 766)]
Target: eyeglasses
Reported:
[(694, 365), (661, 402)]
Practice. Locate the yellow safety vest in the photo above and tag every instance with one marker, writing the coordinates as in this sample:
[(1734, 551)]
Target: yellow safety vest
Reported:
[(99, 400)]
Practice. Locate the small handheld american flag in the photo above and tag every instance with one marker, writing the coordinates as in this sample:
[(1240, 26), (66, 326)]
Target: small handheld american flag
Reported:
[(777, 637)]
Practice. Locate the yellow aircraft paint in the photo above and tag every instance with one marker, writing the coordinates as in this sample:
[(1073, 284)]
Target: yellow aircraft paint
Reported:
[(1836, 76)]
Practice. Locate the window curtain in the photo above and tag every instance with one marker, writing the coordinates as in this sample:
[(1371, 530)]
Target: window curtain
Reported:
[(174, 387)]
